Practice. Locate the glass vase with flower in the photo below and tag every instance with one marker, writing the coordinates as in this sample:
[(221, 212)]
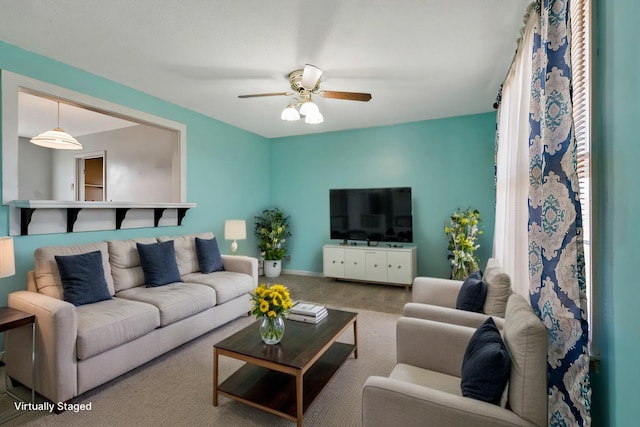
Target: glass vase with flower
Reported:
[(270, 305)]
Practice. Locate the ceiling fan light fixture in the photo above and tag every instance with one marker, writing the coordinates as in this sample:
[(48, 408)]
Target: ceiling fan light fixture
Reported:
[(57, 138), (314, 119), (309, 108), (290, 114)]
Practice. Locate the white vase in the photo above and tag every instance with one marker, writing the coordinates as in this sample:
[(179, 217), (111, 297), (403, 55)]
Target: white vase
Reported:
[(272, 268)]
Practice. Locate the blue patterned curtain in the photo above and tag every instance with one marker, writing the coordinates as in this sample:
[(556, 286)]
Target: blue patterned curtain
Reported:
[(556, 252)]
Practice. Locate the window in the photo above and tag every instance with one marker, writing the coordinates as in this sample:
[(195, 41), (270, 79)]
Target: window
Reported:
[(581, 79)]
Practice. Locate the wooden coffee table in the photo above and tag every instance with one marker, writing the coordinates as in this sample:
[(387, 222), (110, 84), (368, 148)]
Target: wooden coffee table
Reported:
[(285, 378)]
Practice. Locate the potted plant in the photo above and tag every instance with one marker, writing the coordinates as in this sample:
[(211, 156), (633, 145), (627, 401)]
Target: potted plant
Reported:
[(272, 231), (462, 232)]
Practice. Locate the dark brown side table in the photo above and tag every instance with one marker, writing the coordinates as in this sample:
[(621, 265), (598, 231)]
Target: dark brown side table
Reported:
[(10, 318)]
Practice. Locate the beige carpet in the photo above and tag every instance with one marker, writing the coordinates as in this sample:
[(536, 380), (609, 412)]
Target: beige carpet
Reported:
[(176, 389)]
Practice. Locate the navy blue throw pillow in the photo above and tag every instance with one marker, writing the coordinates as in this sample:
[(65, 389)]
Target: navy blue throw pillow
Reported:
[(486, 365), (209, 258), (82, 277), (159, 263), (472, 293)]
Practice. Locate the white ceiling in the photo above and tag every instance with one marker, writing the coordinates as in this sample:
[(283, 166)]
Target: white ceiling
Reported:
[(37, 114), (420, 59)]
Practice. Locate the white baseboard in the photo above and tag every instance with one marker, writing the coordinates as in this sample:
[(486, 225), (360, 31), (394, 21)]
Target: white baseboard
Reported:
[(302, 273)]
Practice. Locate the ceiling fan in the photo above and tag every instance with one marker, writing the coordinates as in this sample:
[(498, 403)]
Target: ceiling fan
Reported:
[(305, 83)]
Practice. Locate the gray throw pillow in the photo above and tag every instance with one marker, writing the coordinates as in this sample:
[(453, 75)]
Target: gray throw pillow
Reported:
[(209, 258), (159, 263), (472, 293), (82, 278), (486, 365)]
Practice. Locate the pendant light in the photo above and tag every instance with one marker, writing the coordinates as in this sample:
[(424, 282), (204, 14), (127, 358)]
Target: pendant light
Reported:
[(57, 138)]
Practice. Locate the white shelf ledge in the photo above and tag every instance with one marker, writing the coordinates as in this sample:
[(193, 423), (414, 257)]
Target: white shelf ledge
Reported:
[(72, 208)]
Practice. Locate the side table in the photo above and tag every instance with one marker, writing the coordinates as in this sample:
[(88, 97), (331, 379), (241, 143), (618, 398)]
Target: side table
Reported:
[(10, 318)]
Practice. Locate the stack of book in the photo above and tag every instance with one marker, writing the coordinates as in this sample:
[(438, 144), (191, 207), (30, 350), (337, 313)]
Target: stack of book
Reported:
[(307, 312)]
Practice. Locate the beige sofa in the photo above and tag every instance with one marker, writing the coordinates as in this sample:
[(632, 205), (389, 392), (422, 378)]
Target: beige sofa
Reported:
[(81, 347), (424, 388), (435, 298)]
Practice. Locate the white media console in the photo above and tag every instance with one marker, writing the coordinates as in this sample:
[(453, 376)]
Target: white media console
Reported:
[(376, 264)]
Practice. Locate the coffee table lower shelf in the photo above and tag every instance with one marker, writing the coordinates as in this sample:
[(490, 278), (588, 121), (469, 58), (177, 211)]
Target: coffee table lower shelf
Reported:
[(275, 391)]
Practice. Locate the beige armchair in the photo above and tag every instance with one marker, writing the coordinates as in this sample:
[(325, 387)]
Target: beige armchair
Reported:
[(423, 388), (435, 298)]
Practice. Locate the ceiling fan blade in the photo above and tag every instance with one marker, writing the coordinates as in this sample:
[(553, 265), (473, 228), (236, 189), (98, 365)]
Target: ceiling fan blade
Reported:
[(310, 77), (257, 95), (350, 96)]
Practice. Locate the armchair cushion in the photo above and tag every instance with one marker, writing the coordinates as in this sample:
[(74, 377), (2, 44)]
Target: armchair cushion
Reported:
[(472, 293), (159, 263), (498, 289), (82, 278), (486, 365)]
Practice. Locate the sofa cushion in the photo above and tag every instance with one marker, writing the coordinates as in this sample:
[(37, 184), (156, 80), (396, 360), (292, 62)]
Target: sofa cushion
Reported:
[(46, 271), (82, 278), (527, 340), (486, 365), (175, 301), (186, 255), (209, 258), (472, 293), (158, 263), (125, 262), (109, 324), (498, 289), (228, 285)]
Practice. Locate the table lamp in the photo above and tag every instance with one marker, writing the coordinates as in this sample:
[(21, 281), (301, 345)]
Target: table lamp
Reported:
[(7, 260), (235, 229)]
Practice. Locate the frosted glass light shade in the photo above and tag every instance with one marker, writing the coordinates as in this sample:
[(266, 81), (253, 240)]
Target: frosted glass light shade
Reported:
[(57, 139), (309, 108), (290, 114), (7, 260), (314, 119)]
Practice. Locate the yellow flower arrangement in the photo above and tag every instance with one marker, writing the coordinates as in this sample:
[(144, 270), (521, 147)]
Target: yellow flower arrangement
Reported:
[(271, 301), (462, 232)]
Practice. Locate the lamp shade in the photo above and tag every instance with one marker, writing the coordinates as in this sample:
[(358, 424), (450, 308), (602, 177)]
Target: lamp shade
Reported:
[(7, 260), (57, 139), (290, 114), (235, 229), (314, 119), (309, 108)]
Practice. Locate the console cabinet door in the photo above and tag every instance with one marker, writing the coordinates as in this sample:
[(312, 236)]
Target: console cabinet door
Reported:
[(354, 264), (399, 268), (376, 266), (333, 262)]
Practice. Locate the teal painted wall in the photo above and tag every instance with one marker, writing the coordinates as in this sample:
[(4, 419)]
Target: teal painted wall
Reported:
[(618, 151), (227, 180), (447, 162)]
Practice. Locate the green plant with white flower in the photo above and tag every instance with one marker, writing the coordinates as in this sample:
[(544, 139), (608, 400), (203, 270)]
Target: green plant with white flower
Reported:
[(272, 231), (463, 231)]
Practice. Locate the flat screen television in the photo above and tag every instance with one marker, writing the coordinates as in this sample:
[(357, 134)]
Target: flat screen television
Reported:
[(371, 214)]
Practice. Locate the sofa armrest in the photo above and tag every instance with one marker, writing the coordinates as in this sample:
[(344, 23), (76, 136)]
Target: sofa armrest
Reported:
[(436, 291), (242, 264), (391, 402), (432, 345), (56, 332), (448, 315)]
